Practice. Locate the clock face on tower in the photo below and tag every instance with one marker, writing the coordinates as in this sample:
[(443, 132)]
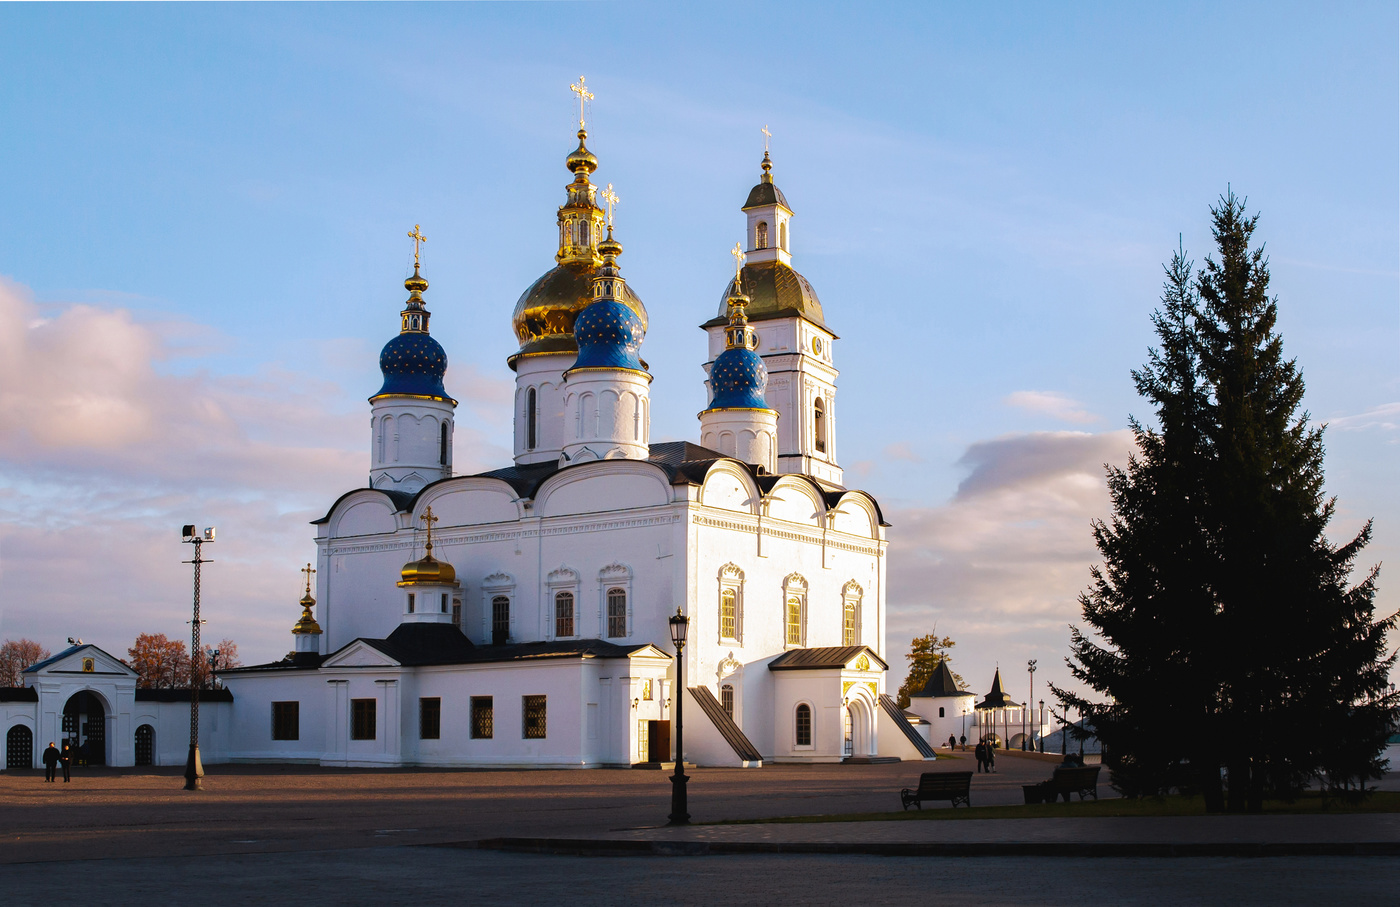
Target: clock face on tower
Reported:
[(816, 346)]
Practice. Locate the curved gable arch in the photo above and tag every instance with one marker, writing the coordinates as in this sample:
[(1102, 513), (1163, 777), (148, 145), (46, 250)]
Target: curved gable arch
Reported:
[(729, 486), (795, 500), (468, 501), (856, 514), (602, 486), (365, 511)]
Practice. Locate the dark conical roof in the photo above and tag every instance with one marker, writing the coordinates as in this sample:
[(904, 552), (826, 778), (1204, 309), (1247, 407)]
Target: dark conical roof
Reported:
[(942, 683), (998, 698)]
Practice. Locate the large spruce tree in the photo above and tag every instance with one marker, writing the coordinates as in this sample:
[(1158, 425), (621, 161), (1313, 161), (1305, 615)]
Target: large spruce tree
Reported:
[(1229, 633)]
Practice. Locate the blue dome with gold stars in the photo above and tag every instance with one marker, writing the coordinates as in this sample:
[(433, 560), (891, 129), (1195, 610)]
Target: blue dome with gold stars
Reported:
[(413, 364), (609, 335), (738, 378)]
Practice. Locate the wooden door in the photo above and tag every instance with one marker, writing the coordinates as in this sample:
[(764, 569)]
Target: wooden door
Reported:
[(658, 741)]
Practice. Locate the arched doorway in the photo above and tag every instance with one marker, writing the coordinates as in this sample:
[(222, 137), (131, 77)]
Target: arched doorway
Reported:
[(85, 727), (19, 747), (860, 733), (145, 744)]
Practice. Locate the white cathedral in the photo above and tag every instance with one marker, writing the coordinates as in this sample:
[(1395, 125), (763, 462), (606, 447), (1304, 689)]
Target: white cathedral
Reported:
[(519, 617)]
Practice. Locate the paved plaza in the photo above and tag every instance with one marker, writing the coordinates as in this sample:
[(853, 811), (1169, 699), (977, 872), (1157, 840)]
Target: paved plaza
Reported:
[(322, 835)]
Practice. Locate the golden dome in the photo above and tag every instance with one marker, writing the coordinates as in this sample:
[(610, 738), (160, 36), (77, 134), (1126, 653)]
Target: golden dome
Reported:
[(544, 315), (775, 290), (427, 570), (306, 624)]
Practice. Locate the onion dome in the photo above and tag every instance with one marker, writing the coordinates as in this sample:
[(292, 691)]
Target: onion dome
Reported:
[(738, 376), (545, 313), (306, 625), (609, 334), (413, 363), (428, 569)]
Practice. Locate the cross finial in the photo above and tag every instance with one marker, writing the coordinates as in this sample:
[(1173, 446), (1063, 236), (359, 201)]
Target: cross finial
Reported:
[(584, 96), (428, 521), (739, 259), (766, 136), (308, 570), (611, 198), (418, 239)]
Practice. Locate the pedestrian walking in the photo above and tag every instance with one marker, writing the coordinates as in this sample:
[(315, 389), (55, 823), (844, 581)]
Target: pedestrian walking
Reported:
[(50, 761), (991, 757), (65, 759), (952, 743), (980, 751), (963, 741)]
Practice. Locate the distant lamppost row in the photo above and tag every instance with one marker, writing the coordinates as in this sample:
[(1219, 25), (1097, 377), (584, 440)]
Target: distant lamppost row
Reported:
[(680, 624), (1030, 667), (194, 768)]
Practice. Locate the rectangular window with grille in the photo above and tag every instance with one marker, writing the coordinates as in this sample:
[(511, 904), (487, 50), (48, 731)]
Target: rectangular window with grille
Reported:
[(564, 614), (362, 719), (726, 699), (534, 708), (429, 718), (286, 721), (617, 613), (500, 620), (483, 718)]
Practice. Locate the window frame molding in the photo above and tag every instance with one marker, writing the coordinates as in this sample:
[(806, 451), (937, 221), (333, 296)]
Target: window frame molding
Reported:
[(795, 584), (497, 584), (811, 726), (852, 594), (615, 576), (563, 579), (731, 578)]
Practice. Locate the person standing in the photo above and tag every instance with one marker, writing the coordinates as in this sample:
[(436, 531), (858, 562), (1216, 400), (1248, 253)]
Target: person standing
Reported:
[(991, 757), (980, 751), (963, 741), (952, 743), (65, 759), (50, 761)]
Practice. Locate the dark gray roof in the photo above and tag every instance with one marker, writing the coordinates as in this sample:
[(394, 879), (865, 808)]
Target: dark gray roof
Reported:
[(998, 698), (303, 660), (822, 657), (19, 694), (942, 683), (892, 709), (182, 694), (766, 193), (738, 741), (52, 658)]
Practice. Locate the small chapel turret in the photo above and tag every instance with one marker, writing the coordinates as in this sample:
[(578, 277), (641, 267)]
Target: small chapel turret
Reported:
[(739, 422), (411, 440), (428, 584), (306, 631)]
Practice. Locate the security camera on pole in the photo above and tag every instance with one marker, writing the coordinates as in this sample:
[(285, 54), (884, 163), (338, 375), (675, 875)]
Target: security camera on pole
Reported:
[(194, 768)]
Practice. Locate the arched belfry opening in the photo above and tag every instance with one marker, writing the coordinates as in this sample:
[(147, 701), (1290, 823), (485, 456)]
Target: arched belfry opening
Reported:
[(819, 425)]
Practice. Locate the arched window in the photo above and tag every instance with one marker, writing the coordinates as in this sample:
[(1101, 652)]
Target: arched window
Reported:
[(442, 444), (410, 603), (794, 620), (761, 235), (729, 614), (19, 747), (850, 614), (782, 236), (583, 233), (819, 425), (530, 413), (940, 711), (563, 614), (617, 612), (848, 736), (726, 699), (500, 619), (803, 725)]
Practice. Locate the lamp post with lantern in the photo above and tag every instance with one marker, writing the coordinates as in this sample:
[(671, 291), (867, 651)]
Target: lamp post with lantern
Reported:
[(680, 624), (194, 767), (1030, 668)]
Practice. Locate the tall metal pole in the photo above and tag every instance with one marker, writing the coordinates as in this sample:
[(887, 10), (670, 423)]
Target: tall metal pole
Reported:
[(1030, 666), (194, 768)]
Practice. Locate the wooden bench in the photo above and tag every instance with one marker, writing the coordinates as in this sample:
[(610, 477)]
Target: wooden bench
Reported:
[(1083, 781), (951, 786)]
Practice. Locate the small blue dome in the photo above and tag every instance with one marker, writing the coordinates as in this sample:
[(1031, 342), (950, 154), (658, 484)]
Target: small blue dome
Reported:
[(413, 363), (609, 335), (739, 377)]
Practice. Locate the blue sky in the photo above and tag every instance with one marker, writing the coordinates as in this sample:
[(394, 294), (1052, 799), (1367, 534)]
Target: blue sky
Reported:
[(203, 248)]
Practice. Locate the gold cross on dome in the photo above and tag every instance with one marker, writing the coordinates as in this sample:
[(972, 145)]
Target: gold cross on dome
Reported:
[(766, 136), (584, 96), (308, 570), (611, 198), (739, 259), (418, 238), (428, 521)]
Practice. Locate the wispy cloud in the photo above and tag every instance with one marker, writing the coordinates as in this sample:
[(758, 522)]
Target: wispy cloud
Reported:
[(902, 450), (104, 455), (1053, 404), (1385, 417), (999, 566)]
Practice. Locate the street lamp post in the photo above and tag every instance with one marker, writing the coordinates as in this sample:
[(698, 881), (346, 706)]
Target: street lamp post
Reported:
[(680, 624), (1030, 668), (194, 768), (1040, 720)]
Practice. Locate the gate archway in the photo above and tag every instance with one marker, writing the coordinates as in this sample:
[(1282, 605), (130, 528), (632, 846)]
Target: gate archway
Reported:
[(85, 727)]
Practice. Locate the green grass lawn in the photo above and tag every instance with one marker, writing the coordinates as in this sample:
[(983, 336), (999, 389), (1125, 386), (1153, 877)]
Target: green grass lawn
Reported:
[(1378, 802)]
